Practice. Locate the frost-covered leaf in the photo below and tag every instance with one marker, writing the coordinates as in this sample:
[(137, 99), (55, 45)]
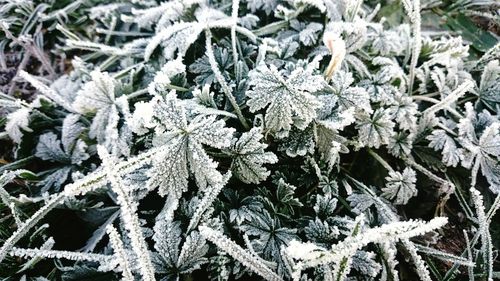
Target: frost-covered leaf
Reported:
[(321, 232), (267, 5), (17, 122), (327, 136), (298, 142), (365, 263), (71, 143), (387, 42), (375, 130), (290, 100), (249, 157), (440, 140), (55, 179), (178, 37), (325, 205), (97, 94), (400, 144), (162, 80), (71, 131), (360, 201), (241, 209), (167, 237), (192, 255), (270, 237), (202, 68), (379, 90), (404, 112), (285, 195), (400, 187), (182, 150), (307, 34), (164, 13), (349, 96), (482, 153), (49, 148), (99, 97), (490, 84)]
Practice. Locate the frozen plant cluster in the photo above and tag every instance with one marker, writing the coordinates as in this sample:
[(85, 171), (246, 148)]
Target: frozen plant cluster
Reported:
[(253, 140)]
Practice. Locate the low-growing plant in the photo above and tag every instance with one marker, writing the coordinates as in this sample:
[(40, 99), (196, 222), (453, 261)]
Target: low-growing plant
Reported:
[(275, 140)]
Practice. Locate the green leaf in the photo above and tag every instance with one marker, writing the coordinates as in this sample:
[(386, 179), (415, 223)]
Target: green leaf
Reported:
[(481, 40)]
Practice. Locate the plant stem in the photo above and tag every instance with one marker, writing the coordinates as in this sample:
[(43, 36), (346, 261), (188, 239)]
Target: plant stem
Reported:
[(17, 164), (381, 160), (435, 101)]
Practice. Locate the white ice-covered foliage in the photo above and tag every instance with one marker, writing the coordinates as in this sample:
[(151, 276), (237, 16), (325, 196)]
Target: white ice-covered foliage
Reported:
[(440, 140), (400, 187), (250, 156), (481, 151), (69, 148), (248, 259), (162, 80), (100, 97), (205, 139), (172, 259), (17, 122), (178, 37), (289, 101), (375, 130), (309, 255), (181, 139)]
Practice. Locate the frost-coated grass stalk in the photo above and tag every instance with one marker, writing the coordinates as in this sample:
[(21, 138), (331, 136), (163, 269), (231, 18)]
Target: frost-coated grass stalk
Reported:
[(487, 247), (121, 255), (251, 261), (412, 8), (234, 15), (222, 81), (129, 216)]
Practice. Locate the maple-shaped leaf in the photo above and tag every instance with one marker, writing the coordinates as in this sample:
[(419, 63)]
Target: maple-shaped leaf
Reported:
[(375, 130), (270, 236), (400, 186), (290, 99), (490, 84), (168, 258), (249, 157), (439, 139), (480, 152), (182, 150), (99, 97)]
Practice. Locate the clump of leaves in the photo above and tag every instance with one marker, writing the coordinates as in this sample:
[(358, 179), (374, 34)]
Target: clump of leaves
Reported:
[(276, 140)]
